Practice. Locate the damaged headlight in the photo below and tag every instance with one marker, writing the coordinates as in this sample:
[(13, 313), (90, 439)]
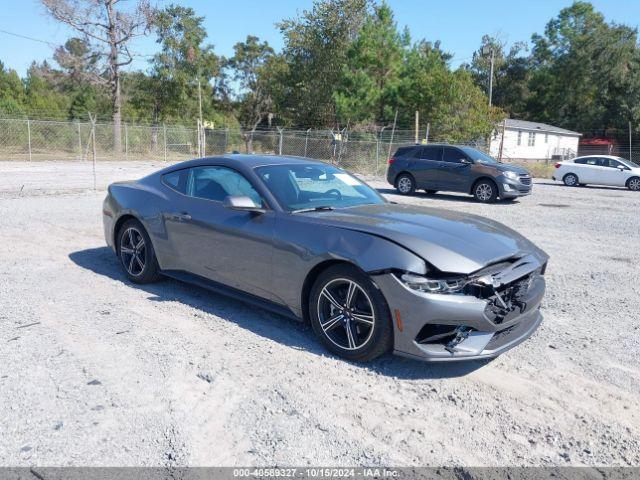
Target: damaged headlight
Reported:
[(433, 285)]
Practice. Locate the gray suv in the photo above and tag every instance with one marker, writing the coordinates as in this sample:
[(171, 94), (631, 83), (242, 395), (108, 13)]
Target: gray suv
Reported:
[(456, 169)]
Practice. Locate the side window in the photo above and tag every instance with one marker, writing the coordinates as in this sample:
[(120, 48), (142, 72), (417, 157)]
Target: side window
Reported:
[(402, 152), (216, 183), (177, 180), (593, 161), (452, 155), (611, 163), (430, 153)]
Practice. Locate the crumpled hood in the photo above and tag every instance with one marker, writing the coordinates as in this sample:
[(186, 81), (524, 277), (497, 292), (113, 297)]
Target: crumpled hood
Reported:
[(448, 240)]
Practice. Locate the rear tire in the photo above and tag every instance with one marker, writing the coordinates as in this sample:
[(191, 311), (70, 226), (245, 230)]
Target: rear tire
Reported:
[(485, 191), (405, 184), (570, 180), (634, 184), (349, 314), (136, 254)]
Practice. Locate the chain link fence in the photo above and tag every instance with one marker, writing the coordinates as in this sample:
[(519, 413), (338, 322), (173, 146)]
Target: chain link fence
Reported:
[(67, 157), (36, 140)]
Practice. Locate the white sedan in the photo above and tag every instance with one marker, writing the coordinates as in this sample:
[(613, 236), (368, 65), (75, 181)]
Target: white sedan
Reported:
[(598, 170)]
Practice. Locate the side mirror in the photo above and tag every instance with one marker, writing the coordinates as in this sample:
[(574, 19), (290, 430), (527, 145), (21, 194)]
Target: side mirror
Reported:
[(621, 168), (464, 161), (242, 203)]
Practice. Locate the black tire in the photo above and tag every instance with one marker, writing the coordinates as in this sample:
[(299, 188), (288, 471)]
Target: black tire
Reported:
[(405, 184), (331, 320), (431, 192), (131, 234), (634, 184), (485, 191), (571, 180)]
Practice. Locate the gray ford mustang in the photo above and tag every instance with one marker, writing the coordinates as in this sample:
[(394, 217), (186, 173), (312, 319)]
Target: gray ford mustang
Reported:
[(310, 241)]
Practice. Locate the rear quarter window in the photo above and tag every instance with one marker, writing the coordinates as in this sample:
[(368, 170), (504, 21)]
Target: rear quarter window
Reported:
[(403, 151), (177, 180)]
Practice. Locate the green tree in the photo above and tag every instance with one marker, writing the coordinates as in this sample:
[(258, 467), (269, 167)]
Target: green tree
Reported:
[(41, 99), (316, 45), (367, 92), (511, 73), (170, 91), (456, 107), (12, 94), (585, 72), (254, 66)]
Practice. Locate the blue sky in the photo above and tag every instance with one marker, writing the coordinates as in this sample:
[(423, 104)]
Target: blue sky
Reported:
[(459, 24)]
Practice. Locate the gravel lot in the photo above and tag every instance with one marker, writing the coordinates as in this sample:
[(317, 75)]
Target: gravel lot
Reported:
[(97, 371)]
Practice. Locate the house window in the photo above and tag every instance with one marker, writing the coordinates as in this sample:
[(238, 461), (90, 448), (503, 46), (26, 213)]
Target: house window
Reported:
[(546, 138), (531, 141), (519, 138)]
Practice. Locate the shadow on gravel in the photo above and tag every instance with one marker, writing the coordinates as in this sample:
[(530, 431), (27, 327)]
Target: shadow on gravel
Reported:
[(444, 196), (585, 187), (102, 261)]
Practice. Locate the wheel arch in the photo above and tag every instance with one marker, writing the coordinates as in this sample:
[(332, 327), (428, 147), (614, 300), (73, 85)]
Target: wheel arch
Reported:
[(479, 179), (310, 280), (118, 225), (404, 172), (626, 184)]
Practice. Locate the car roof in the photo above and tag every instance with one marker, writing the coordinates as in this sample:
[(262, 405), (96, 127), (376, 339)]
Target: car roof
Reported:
[(242, 161), (415, 145), (599, 156)]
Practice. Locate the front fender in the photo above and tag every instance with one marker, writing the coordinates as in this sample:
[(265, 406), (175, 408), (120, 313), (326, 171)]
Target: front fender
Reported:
[(300, 247)]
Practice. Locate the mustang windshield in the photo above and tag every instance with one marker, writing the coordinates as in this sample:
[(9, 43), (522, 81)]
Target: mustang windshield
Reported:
[(301, 187)]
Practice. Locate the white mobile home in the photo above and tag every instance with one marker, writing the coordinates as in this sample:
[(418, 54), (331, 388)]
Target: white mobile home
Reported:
[(525, 140)]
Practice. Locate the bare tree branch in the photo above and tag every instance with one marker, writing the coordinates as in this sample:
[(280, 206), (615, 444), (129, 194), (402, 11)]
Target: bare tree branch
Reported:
[(110, 30)]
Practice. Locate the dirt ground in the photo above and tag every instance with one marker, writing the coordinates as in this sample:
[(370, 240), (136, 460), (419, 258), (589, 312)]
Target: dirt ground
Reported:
[(97, 371)]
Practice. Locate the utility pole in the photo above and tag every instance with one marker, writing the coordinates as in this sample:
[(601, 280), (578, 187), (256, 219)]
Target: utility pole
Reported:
[(417, 126), (93, 143), (393, 131), (630, 150), (504, 125), (491, 80), (200, 126), (426, 134), (489, 50)]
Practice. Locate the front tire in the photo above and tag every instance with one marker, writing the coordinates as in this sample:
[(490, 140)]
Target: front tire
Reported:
[(136, 254), (349, 314), (570, 180), (485, 191), (634, 184), (405, 184)]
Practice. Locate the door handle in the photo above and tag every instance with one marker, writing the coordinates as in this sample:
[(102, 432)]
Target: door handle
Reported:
[(180, 217)]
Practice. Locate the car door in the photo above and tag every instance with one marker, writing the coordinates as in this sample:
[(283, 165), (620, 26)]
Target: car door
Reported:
[(455, 170), (215, 242), (425, 166), (614, 172), (588, 169)]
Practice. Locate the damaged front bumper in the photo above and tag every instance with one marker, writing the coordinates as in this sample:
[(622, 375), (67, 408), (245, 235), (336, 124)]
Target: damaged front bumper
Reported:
[(497, 312)]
